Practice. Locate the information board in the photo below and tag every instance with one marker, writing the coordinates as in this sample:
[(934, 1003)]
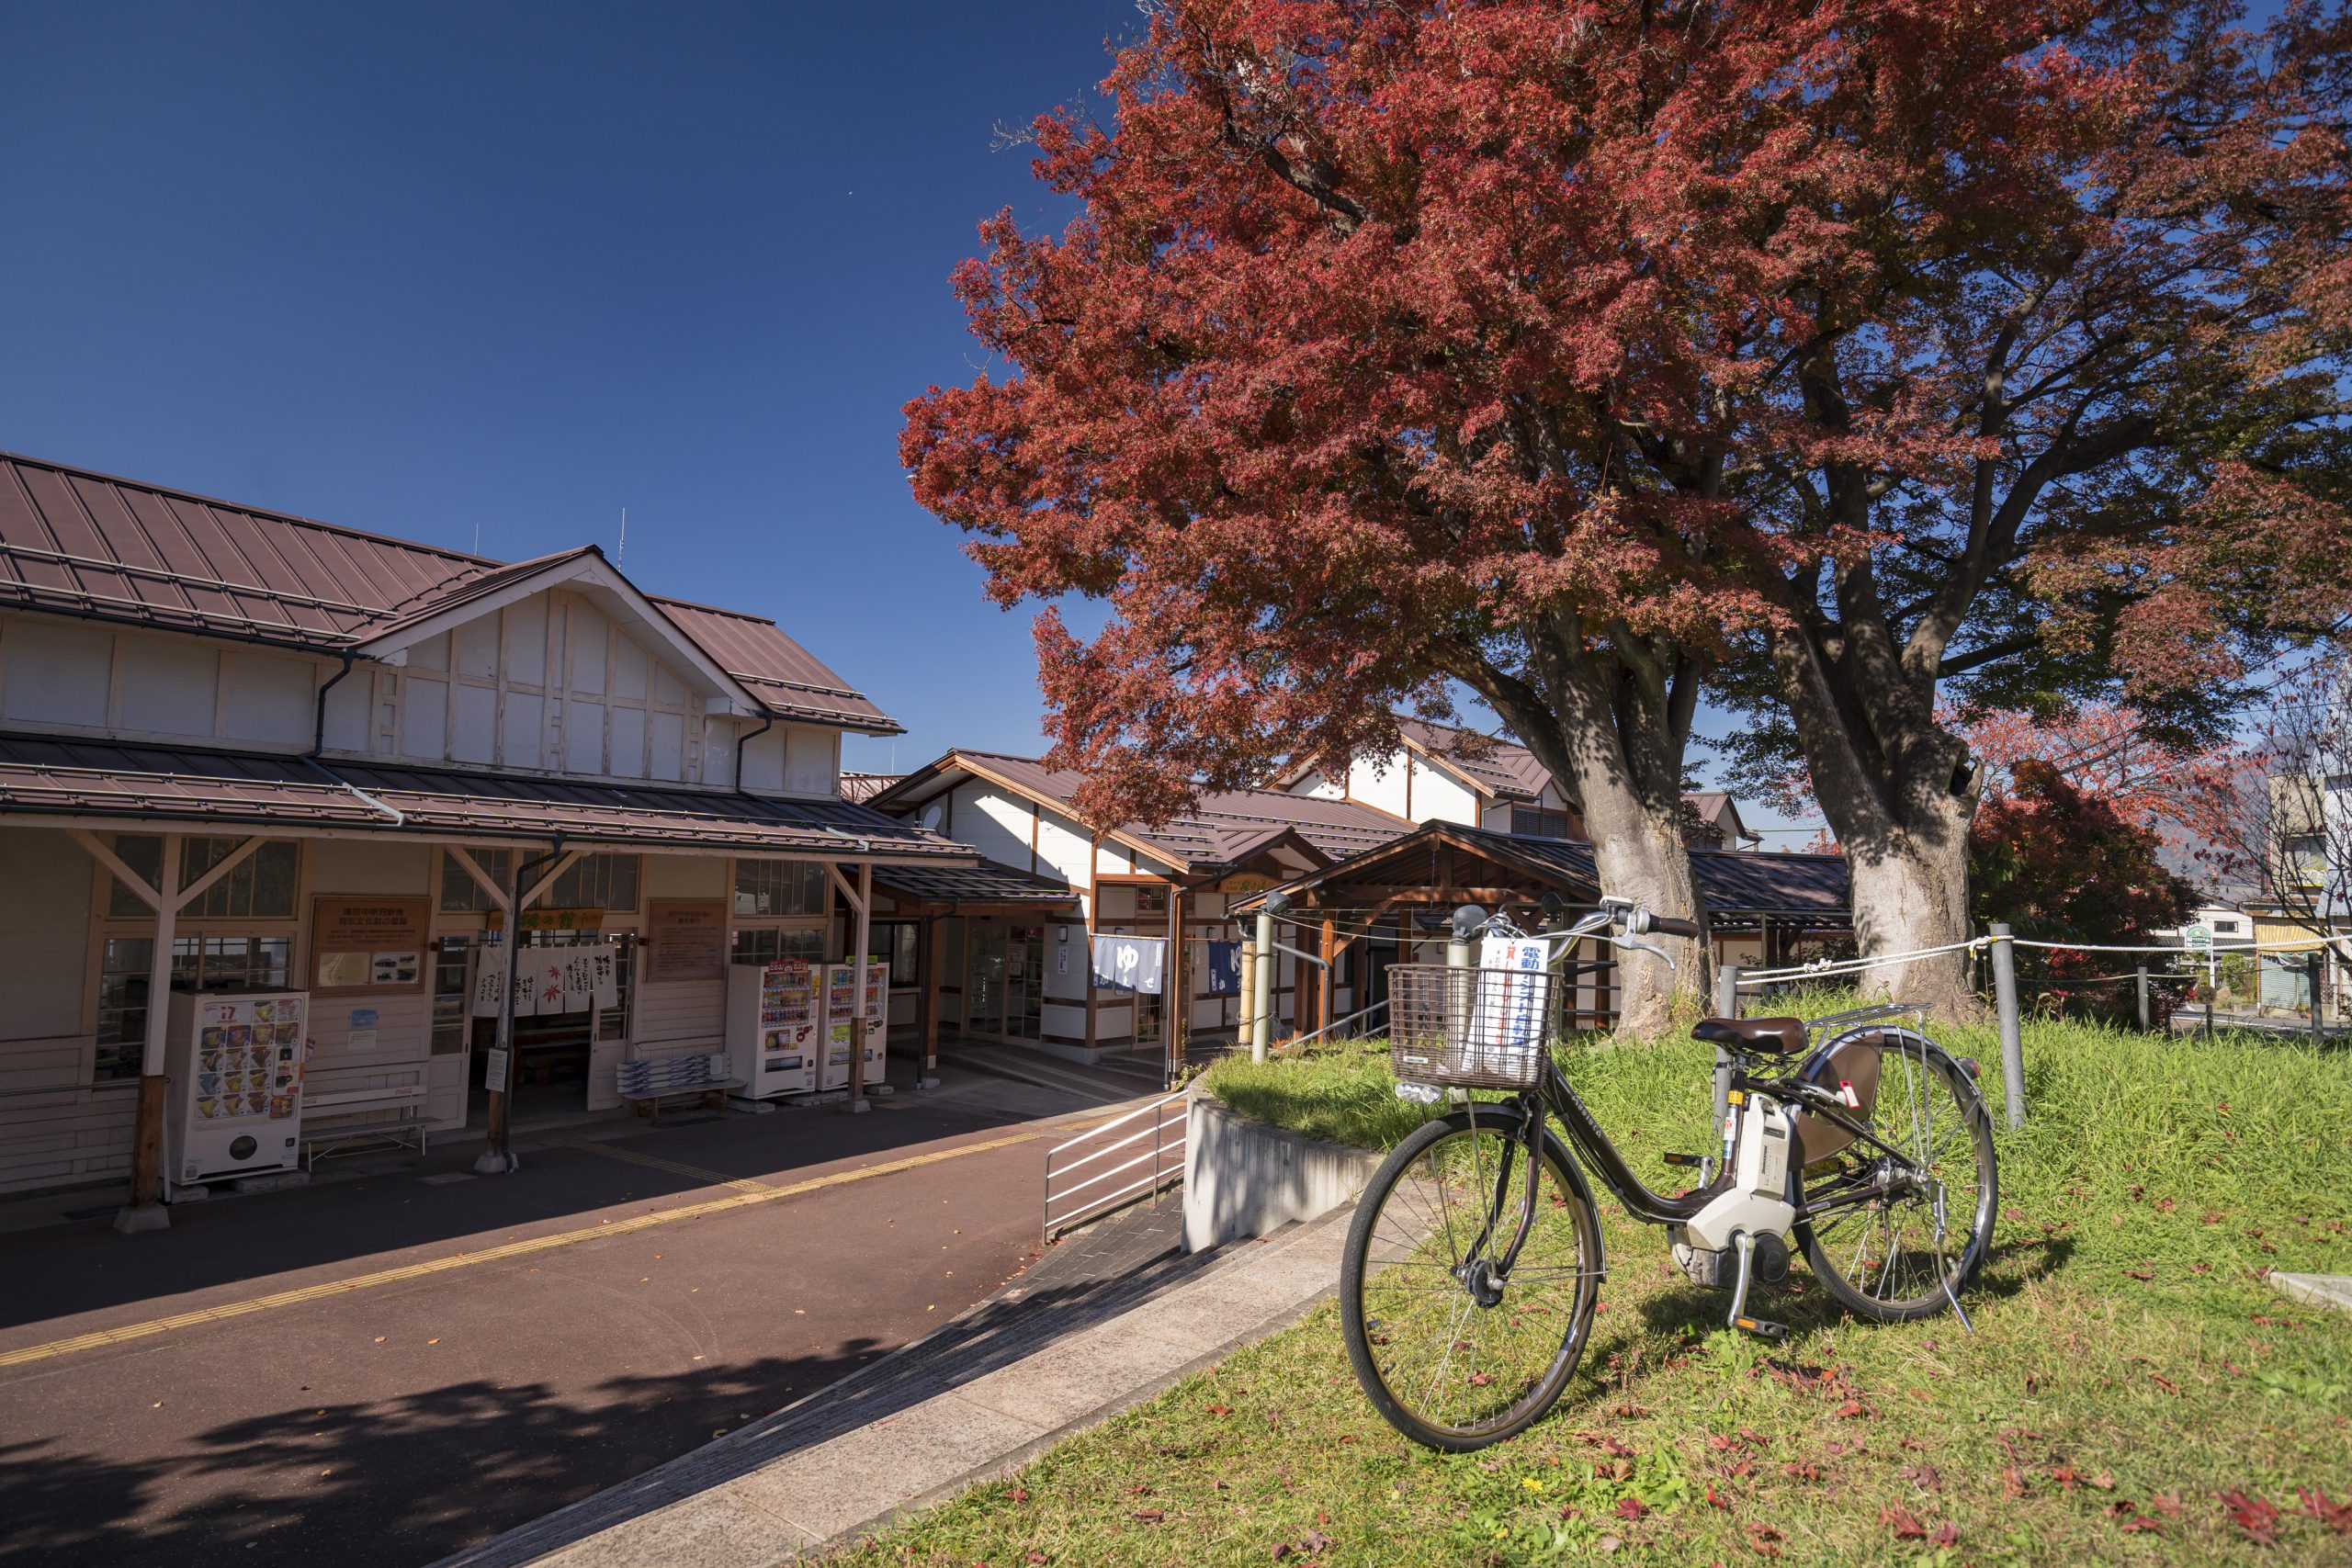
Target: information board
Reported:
[(368, 944), (686, 938)]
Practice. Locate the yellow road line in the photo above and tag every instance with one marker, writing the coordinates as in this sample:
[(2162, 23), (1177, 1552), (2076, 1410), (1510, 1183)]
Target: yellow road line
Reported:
[(490, 1255), (713, 1177)]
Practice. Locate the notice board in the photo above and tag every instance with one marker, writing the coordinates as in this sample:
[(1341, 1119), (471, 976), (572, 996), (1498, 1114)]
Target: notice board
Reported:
[(368, 944), (687, 938)]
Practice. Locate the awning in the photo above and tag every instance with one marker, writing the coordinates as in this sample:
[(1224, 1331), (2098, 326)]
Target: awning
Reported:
[(953, 886), (83, 781)]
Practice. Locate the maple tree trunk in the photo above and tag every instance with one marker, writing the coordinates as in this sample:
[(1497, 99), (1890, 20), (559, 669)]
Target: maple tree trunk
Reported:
[(1637, 847), (1910, 885)]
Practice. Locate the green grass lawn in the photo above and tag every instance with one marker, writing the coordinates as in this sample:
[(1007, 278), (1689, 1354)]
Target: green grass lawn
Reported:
[(2132, 1393)]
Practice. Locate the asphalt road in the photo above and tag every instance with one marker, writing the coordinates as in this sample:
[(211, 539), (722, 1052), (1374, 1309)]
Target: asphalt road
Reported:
[(385, 1424)]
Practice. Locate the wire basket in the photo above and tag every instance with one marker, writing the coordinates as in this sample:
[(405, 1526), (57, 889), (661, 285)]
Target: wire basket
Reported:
[(1470, 1028)]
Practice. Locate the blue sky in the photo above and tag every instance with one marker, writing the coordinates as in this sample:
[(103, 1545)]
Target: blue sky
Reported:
[(430, 269)]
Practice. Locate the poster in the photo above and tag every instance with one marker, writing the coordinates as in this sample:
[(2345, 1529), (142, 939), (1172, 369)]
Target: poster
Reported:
[(605, 976), (1130, 963), (369, 944), (687, 938), (1510, 1015), (494, 1070)]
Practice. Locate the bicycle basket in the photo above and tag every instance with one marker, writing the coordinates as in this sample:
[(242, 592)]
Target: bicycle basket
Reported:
[(1469, 1028)]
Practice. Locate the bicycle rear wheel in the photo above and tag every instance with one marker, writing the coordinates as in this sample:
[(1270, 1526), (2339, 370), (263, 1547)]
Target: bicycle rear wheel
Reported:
[(1455, 1351), (1897, 1236)]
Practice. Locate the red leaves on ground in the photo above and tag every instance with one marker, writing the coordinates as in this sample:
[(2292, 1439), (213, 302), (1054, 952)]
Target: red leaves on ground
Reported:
[(1147, 1516), (1220, 1409), (2258, 1518), (2143, 1275), (1716, 1499), (2164, 1382), (2336, 1516), (1926, 1477), (1802, 1469), (1631, 1508), (1853, 1409), (1762, 1539), (1903, 1522)]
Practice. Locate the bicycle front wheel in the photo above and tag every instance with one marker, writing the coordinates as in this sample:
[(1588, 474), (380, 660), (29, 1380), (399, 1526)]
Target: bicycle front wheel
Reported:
[(1459, 1340)]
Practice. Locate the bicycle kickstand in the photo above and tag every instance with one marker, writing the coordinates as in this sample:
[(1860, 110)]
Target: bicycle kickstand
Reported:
[(1761, 1327)]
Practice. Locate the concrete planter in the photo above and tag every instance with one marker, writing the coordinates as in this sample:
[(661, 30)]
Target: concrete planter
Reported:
[(1243, 1178)]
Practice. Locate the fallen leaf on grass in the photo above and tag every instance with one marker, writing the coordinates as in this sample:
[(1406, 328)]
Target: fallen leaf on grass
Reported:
[(2143, 1275), (2336, 1516), (2166, 1503), (1926, 1477), (1903, 1522), (2164, 1382), (2254, 1516), (1763, 1540), (1630, 1509), (1851, 1410), (1147, 1516), (1716, 1498)]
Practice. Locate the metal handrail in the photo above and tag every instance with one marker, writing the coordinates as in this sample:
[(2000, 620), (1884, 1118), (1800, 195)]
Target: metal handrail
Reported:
[(1301, 1042), (1157, 1177)]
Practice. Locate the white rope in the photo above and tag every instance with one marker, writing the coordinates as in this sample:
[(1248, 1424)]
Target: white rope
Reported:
[(1822, 968), (1825, 969)]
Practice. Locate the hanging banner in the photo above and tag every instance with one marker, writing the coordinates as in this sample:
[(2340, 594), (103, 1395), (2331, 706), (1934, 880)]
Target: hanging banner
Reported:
[(490, 985), (605, 976), (1130, 963), (1224, 968)]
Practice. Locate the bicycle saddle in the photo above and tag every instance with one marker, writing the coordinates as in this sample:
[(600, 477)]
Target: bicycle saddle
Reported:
[(1760, 1036)]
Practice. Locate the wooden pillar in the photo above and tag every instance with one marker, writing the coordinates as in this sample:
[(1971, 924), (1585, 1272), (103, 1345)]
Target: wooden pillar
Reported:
[(146, 1212), (929, 1077), (862, 939), (1327, 993), (1174, 1010)]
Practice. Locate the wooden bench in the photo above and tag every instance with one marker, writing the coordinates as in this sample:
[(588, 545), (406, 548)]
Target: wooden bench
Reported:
[(398, 1120), (649, 1105)]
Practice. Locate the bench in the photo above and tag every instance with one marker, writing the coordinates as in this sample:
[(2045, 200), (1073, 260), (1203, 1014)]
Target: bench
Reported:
[(398, 1120), (649, 1105)]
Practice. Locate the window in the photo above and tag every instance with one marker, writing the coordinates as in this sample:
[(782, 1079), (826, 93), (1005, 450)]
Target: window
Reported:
[(594, 882), (1151, 901), (769, 888), (766, 945), (198, 963), (451, 995), (1531, 822), (260, 886), (462, 893), (900, 943)]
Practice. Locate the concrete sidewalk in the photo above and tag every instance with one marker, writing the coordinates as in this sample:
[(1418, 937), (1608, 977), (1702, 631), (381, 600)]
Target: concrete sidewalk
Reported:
[(758, 1497)]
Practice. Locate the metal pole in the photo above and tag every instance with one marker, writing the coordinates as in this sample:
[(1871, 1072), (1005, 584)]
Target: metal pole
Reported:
[(1727, 1006), (2005, 1000), (860, 940), (1261, 1006), (2318, 968), (2142, 981)]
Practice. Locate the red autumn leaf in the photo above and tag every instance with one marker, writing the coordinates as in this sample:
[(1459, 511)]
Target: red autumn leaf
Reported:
[(2142, 1274), (1763, 1538), (1147, 1516), (2336, 1516), (1630, 1509), (2142, 1522), (2164, 1382), (1220, 1409), (2254, 1516), (1947, 1534), (2167, 1504), (1903, 1522), (1716, 1498)]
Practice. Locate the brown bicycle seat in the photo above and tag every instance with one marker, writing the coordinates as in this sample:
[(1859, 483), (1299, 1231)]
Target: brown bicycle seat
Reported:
[(1760, 1036)]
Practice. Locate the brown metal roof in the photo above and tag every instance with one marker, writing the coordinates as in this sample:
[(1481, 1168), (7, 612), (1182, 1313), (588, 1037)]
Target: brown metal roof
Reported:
[(862, 787), (1503, 769), (1735, 884), (57, 777), (91, 545), (982, 883), (1221, 828)]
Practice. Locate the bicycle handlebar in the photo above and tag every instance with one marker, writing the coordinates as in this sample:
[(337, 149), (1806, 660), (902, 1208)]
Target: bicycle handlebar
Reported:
[(1672, 927)]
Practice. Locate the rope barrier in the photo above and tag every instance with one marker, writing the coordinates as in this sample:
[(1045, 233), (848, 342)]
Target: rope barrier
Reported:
[(1827, 968)]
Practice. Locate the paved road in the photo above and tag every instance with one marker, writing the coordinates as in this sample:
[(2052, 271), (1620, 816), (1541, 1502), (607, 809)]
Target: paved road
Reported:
[(510, 1344)]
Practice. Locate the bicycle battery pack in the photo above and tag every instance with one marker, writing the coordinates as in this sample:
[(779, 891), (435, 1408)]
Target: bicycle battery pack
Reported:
[(1756, 1197)]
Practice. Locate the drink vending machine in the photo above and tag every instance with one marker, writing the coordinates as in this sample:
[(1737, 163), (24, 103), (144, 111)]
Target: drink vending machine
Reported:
[(841, 1030), (232, 1104), (772, 1035), (876, 1019)]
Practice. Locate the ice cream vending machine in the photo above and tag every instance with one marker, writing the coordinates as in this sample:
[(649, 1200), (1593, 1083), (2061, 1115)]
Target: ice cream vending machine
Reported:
[(232, 1104)]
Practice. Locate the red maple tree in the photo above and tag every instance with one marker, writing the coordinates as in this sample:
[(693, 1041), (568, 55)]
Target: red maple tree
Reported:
[(1577, 354)]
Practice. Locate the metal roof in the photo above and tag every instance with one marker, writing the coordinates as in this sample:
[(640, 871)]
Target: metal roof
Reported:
[(91, 545), (1733, 882), (56, 777), (862, 787), (1222, 829), (1503, 769), (984, 884)]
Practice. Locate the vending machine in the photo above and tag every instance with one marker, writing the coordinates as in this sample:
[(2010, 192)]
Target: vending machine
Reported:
[(772, 1028), (877, 1021), (843, 1025), (232, 1104)]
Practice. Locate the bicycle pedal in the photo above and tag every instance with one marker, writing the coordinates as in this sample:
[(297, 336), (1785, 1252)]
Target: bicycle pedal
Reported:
[(1763, 1329)]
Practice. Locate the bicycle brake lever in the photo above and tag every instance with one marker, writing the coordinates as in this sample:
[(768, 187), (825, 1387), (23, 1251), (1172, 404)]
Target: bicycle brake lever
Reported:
[(1657, 953)]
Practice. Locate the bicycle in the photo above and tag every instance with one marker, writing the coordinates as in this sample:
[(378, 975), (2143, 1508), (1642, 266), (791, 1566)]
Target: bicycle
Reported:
[(1468, 1287)]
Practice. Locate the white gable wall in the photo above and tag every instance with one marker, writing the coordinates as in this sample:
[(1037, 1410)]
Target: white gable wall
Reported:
[(76, 677)]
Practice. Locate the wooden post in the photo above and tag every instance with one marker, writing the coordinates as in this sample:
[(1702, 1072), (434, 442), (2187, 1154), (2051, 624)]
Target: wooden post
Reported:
[(146, 1211), (1327, 994), (865, 927), (1171, 986), (929, 1077), (1245, 1026)]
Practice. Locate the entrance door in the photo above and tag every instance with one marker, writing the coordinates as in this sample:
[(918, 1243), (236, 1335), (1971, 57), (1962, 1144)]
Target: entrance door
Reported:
[(1379, 953), (1025, 981), (984, 982), (563, 1060)]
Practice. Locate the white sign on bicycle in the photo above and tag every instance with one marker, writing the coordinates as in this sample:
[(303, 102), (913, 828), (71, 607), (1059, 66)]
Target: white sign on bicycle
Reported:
[(1511, 1005)]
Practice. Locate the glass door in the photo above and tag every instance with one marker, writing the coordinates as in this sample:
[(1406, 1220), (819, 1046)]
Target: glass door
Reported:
[(1024, 982), (985, 980)]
